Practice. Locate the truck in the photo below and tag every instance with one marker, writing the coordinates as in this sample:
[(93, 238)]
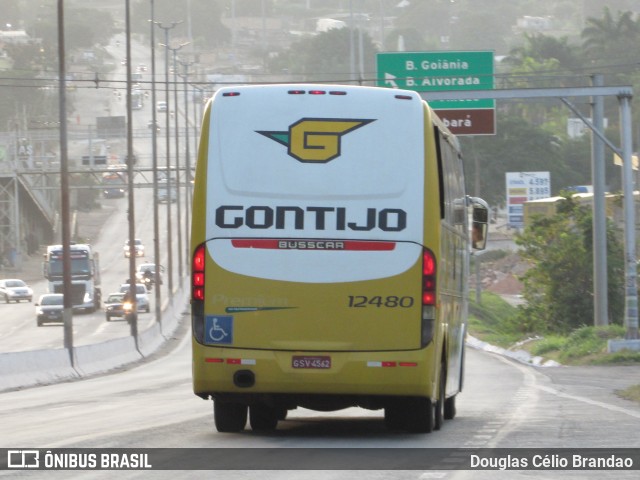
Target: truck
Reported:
[(114, 181), (85, 275)]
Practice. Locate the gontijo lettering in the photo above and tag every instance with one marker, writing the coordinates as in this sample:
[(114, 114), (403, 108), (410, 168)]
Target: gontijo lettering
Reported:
[(318, 218)]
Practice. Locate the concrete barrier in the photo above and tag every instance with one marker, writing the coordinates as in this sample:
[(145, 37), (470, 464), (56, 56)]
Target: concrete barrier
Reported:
[(618, 345), (26, 369), (105, 356), (150, 340), (42, 367)]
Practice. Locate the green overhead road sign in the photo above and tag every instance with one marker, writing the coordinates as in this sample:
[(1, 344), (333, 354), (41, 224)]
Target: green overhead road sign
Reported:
[(438, 71), (445, 71)]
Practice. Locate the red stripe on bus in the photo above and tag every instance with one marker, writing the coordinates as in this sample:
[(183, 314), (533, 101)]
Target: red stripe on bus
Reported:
[(270, 244)]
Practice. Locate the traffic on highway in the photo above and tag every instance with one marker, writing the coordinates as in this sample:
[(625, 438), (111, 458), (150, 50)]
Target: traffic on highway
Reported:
[(101, 266)]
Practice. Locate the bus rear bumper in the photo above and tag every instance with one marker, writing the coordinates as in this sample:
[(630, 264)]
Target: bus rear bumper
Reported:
[(253, 375)]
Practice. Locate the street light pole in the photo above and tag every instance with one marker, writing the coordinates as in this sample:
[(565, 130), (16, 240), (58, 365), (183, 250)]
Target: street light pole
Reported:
[(154, 155), (166, 29), (197, 115), (174, 51), (131, 217), (67, 313), (185, 76)]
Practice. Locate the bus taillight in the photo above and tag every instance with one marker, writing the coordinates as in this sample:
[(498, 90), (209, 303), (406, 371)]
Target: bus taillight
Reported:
[(429, 271), (197, 293), (197, 274), (428, 277)]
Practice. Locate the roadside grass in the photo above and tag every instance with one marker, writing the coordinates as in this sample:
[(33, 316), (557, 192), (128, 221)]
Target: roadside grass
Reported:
[(631, 393), (493, 321)]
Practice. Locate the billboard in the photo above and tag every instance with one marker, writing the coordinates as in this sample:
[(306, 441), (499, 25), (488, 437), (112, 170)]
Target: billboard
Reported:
[(521, 188)]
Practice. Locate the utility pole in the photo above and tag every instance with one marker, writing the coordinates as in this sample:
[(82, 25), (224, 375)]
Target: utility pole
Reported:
[(131, 213), (166, 29), (188, 192), (175, 50), (154, 155), (600, 276), (67, 314), (631, 282)]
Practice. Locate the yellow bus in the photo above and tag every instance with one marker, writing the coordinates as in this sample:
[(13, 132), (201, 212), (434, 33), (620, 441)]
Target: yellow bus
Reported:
[(330, 246)]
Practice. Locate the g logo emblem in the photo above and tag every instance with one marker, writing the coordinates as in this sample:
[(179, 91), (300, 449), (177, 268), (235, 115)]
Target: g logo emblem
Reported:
[(315, 140)]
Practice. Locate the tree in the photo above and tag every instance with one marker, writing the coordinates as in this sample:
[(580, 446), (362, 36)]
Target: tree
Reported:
[(543, 48), (558, 288), (611, 39), (325, 57), (79, 33)]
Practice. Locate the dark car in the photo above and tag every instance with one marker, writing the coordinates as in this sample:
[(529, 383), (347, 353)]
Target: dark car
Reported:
[(113, 192), (49, 308), (116, 305), (148, 269)]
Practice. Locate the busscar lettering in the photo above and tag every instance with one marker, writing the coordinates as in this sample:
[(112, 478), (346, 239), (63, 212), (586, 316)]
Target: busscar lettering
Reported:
[(319, 218), (310, 245)]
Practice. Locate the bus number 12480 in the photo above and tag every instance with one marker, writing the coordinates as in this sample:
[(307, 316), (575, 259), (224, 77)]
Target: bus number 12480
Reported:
[(392, 301)]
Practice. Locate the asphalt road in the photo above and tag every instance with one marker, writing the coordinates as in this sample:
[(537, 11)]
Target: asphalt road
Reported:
[(504, 405)]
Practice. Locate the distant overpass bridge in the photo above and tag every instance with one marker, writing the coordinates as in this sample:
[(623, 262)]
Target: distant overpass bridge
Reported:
[(30, 186)]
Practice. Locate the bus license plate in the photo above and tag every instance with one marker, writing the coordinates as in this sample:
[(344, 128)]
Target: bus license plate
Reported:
[(304, 361)]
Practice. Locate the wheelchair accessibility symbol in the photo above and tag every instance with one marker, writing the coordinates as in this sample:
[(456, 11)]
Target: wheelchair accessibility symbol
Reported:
[(219, 329)]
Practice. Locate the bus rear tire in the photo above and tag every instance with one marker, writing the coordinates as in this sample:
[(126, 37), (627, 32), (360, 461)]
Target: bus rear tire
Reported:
[(422, 416), (439, 406), (450, 408), (263, 417), (282, 413), (413, 414), (229, 417)]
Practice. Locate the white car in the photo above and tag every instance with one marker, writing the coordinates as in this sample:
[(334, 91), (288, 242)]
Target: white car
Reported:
[(142, 299), (138, 248), (161, 106), (14, 290)]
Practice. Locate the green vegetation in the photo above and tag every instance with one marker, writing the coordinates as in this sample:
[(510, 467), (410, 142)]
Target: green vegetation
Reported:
[(496, 322), (586, 345), (493, 321), (631, 393), (558, 288)]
